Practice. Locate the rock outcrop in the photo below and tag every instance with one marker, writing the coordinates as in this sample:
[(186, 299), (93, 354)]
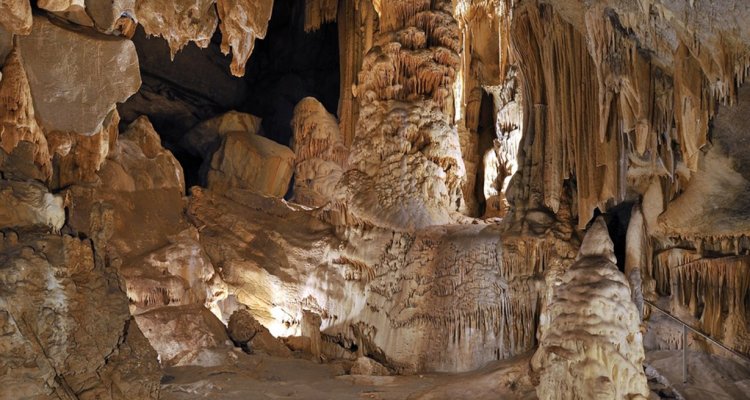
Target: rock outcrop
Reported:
[(59, 340)]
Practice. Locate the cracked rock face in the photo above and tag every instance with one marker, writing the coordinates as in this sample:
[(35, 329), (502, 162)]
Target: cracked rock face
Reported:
[(58, 340), (84, 86)]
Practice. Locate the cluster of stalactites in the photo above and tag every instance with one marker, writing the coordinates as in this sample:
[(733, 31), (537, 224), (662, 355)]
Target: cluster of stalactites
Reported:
[(319, 12), (17, 121), (708, 293), (178, 22), (654, 104), (415, 55)]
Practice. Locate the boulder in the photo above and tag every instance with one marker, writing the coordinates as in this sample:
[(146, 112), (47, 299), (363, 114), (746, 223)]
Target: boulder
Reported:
[(368, 366), (185, 335), (251, 162), (252, 336), (77, 76), (64, 329)]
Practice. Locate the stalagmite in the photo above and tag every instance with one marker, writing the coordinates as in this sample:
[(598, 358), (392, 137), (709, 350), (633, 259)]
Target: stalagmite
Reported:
[(320, 154), (593, 346), (416, 180)]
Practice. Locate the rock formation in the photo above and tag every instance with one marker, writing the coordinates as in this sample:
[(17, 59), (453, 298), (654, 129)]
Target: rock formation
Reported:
[(500, 178), (597, 350), (320, 154)]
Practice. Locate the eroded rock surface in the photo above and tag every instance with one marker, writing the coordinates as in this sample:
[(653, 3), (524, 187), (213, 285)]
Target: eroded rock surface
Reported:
[(59, 340), (178, 22), (84, 85), (242, 21), (15, 16), (405, 166)]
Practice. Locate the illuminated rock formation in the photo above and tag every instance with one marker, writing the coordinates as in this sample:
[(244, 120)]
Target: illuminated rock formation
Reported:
[(436, 299), (241, 22), (437, 221), (249, 161), (59, 340), (17, 115), (320, 154), (178, 22), (15, 16), (405, 166), (591, 345)]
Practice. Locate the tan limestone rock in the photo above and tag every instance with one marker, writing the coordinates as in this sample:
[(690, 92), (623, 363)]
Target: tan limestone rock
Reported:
[(17, 118), (185, 335), (140, 184), (94, 72), (61, 341), (241, 22), (252, 336), (320, 154), (251, 162), (71, 10), (15, 16), (177, 274), (178, 22), (205, 138), (30, 203), (368, 366), (108, 14), (592, 346)]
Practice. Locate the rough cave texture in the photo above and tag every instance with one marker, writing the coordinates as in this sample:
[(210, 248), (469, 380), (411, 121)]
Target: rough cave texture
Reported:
[(212, 188), (595, 352)]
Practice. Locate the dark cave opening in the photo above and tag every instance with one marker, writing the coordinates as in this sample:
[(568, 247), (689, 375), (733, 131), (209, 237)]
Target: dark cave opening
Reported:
[(285, 67), (486, 140), (618, 219)]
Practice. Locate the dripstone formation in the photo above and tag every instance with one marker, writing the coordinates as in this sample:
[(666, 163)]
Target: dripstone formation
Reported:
[(510, 186)]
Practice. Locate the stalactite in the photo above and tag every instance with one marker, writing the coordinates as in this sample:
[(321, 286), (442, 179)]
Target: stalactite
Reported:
[(318, 12), (241, 22), (17, 121), (714, 293)]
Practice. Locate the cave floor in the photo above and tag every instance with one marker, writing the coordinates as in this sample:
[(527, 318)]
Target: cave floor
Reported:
[(709, 376), (266, 377)]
